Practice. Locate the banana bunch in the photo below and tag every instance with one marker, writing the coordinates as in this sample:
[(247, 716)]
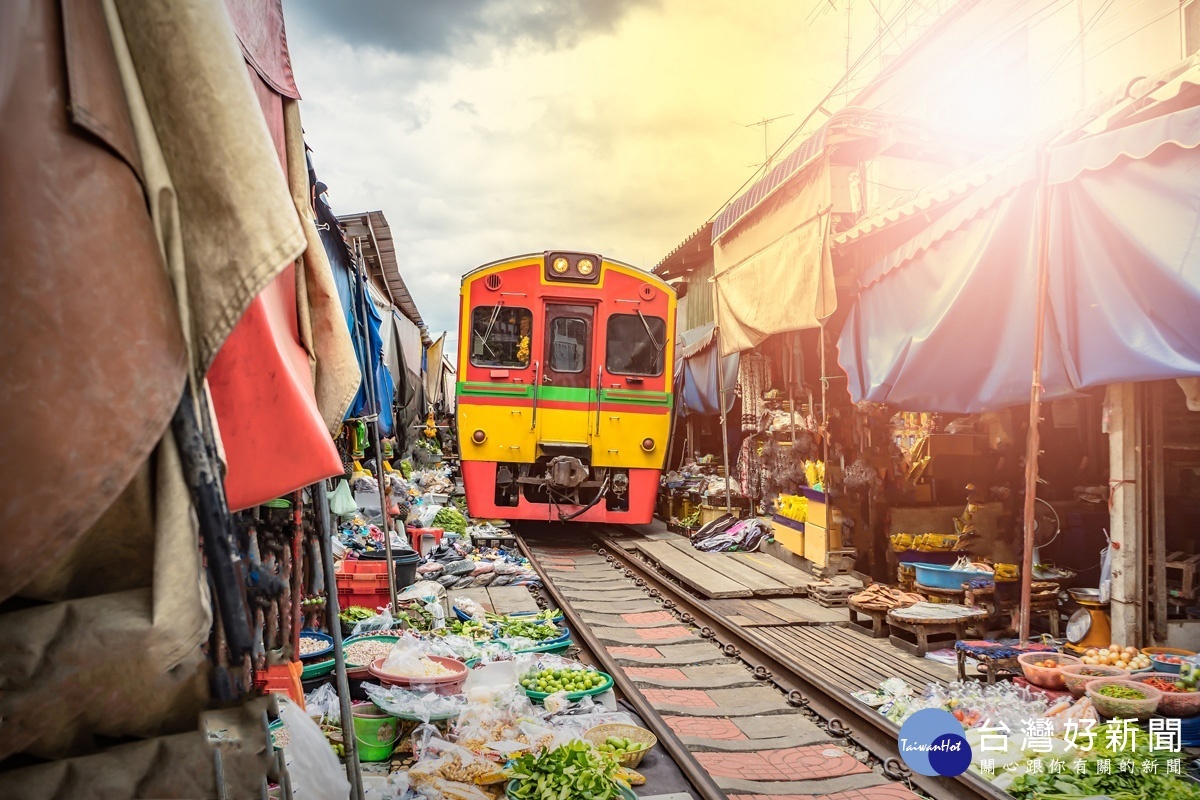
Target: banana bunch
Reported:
[(814, 473), (791, 506), (1006, 572), (901, 542), (935, 542), (430, 429)]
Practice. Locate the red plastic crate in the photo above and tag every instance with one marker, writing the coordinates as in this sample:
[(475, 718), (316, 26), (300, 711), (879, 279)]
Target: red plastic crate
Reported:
[(367, 589)]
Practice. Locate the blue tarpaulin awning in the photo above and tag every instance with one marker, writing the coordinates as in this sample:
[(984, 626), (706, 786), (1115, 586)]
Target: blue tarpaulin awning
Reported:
[(944, 322), (696, 388)]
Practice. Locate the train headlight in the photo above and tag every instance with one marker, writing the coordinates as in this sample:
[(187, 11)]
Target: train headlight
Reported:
[(585, 266), (648, 444), (479, 437), (560, 265)]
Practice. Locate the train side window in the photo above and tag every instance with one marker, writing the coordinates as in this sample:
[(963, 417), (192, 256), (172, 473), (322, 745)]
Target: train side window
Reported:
[(635, 345), (501, 336), (568, 344)]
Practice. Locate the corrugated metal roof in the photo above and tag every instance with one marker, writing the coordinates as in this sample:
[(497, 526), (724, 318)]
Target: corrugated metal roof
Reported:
[(690, 254), (379, 250), (795, 161)]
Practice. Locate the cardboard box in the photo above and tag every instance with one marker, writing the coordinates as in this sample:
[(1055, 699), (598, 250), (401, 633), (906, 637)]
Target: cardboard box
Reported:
[(818, 541), (789, 534)]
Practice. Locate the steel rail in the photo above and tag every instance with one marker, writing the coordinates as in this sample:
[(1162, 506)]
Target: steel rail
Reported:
[(803, 688), (696, 775)]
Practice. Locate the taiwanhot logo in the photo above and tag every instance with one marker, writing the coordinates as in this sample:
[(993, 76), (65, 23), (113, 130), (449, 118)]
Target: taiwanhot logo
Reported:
[(932, 743)]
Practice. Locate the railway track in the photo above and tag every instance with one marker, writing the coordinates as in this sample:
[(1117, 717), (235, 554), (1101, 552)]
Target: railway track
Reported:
[(739, 717)]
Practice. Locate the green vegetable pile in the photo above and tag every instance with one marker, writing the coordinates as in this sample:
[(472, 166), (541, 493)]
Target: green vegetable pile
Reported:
[(541, 616), (406, 469), (1119, 692), (620, 745), (355, 614), (562, 680), (573, 770), (538, 631), (450, 520), (475, 631), (1139, 784)]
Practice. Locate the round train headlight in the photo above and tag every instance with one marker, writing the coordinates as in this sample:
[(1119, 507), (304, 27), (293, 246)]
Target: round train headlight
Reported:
[(648, 444), (560, 265), (585, 266), (479, 437)]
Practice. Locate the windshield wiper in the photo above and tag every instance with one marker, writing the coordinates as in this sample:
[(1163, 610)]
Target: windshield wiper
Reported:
[(657, 347), (488, 332)]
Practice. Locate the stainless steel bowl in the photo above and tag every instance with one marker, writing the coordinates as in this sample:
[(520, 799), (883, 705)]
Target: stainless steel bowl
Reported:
[(1086, 595)]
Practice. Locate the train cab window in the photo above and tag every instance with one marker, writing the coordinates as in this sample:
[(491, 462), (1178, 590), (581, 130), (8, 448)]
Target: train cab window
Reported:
[(635, 344), (501, 336), (568, 344)]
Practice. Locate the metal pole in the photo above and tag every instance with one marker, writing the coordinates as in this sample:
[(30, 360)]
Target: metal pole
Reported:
[(325, 537), (373, 407), (721, 398), (1035, 395), (297, 572)]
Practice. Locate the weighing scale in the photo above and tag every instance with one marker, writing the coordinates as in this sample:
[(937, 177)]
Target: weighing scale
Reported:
[(1091, 625)]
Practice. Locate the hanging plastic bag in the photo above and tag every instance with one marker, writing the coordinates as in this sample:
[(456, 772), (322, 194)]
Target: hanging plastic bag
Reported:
[(383, 621), (1106, 570), (341, 502), (314, 768), (323, 706)]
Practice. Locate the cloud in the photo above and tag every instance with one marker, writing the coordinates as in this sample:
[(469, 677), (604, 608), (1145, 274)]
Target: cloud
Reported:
[(445, 27), (490, 128)]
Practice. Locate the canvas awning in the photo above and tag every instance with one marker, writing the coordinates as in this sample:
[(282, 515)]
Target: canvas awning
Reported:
[(772, 267), (944, 321), (696, 386)]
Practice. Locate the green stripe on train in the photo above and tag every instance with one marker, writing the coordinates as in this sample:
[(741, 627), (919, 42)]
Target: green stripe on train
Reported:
[(564, 394)]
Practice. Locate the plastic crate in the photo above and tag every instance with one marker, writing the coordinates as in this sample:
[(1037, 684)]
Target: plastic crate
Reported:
[(366, 589)]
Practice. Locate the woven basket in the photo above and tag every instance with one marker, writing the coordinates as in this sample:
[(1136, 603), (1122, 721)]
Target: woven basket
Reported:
[(598, 734)]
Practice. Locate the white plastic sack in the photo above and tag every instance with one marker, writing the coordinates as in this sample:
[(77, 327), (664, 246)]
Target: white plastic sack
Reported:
[(341, 502), (314, 767)]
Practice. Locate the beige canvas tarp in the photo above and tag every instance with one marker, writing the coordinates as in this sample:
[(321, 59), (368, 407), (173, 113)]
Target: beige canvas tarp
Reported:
[(772, 270)]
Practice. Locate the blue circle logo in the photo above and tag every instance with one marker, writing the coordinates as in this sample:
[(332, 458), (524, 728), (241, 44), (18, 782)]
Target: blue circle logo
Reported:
[(931, 743)]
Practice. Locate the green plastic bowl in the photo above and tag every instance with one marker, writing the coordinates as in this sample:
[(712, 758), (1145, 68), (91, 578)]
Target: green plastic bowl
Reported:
[(317, 669), (553, 647), (601, 689)]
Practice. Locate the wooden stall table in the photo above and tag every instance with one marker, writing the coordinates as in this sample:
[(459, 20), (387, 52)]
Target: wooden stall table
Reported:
[(1043, 601), (926, 623), (939, 595), (994, 657), (878, 619)]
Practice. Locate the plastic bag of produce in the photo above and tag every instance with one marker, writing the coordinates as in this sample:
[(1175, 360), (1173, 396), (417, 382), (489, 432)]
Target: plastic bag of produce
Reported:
[(486, 579), (314, 768), (484, 568), (407, 704), (322, 705), (463, 582), (501, 580), (383, 621), (470, 608), (426, 513), (341, 501), (448, 580)]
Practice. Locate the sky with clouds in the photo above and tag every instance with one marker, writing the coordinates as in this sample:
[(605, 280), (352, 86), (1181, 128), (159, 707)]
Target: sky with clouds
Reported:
[(489, 128)]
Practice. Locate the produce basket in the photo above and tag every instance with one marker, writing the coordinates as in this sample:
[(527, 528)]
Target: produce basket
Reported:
[(1045, 677), (359, 671), (1173, 704), (439, 684), (1162, 665), (322, 642), (606, 683), (1123, 707), (1166, 651), (599, 734), (1078, 676)]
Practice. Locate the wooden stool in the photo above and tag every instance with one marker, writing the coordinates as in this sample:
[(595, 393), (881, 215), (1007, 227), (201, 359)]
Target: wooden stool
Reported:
[(990, 664), (949, 624), (1187, 566), (878, 620)]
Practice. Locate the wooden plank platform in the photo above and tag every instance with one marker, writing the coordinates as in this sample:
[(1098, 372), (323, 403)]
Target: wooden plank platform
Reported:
[(759, 584), (512, 599), (748, 613), (477, 593), (848, 659), (777, 570), (805, 611), (691, 572)]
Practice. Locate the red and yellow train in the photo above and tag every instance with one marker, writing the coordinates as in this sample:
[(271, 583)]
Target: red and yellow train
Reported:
[(564, 388)]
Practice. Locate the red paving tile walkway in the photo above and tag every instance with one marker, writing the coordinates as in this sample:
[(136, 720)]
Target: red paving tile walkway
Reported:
[(692, 698), (887, 791), (706, 727), (657, 673), (654, 634), (647, 617), (790, 764), (634, 652)]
